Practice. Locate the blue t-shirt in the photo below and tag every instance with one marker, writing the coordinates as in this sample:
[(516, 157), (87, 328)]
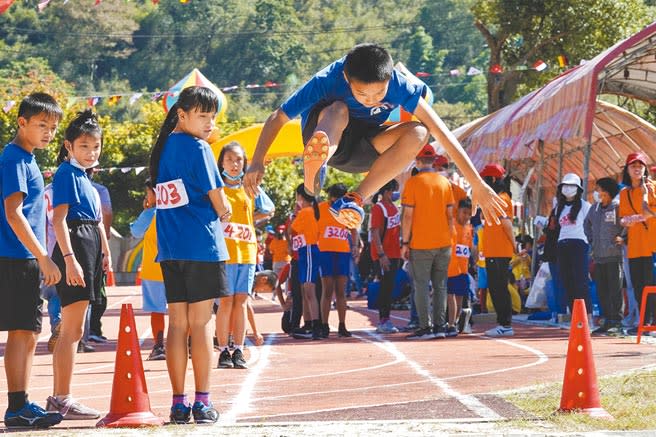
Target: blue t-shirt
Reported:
[(72, 186), (19, 172), (187, 225), (329, 85)]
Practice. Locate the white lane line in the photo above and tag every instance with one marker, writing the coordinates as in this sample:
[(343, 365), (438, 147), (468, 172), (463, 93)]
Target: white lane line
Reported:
[(242, 402), (469, 401)]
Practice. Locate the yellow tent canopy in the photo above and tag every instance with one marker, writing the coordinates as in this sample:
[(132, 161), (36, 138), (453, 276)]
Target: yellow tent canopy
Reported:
[(289, 141)]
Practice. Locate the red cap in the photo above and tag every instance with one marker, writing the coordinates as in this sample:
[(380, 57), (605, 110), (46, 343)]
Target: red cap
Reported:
[(493, 170), (636, 156), (427, 151), (441, 161)]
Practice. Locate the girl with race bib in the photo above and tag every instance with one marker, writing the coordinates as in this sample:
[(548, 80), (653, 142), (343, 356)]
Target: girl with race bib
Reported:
[(335, 251), (457, 284), (240, 239), (306, 234), (191, 204), (81, 252)]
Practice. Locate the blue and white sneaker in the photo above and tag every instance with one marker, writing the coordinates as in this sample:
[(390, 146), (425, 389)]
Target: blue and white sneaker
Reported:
[(204, 413), (31, 416), (500, 331), (348, 210), (180, 414)]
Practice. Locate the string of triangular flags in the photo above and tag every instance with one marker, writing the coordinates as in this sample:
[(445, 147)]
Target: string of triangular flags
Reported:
[(124, 170), (42, 4)]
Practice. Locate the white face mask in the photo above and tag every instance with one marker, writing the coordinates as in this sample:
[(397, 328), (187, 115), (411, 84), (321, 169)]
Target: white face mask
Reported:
[(75, 163), (569, 191), (596, 196)]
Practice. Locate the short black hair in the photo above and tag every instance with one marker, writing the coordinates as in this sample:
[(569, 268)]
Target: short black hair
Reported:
[(37, 103), (337, 190), (465, 203), (609, 185), (368, 63)]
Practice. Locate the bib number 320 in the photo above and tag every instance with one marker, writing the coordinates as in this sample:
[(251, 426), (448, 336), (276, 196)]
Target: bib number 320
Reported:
[(171, 194)]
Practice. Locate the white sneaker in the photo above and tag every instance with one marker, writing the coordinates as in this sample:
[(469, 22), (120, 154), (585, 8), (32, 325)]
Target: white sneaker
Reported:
[(467, 329), (71, 409), (500, 331)]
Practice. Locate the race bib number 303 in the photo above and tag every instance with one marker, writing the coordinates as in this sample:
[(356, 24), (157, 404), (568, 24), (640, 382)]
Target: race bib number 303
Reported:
[(238, 231), (171, 194), (298, 241)]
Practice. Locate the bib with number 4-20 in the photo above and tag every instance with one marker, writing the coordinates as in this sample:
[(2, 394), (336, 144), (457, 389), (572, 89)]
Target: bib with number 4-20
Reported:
[(171, 194), (238, 231)]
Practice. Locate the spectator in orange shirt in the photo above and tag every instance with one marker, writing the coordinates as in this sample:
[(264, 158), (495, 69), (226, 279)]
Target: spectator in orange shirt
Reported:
[(457, 285), (427, 228), (637, 205), (279, 249), (335, 253), (499, 249)]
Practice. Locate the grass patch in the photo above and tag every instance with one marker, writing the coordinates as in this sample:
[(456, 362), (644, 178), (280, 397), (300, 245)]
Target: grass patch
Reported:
[(629, 398)]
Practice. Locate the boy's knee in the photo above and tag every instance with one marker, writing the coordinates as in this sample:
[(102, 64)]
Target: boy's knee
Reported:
[(420, 131)]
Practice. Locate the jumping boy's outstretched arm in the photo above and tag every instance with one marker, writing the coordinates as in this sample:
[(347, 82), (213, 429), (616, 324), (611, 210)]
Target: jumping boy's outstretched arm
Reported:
[(270, 130), (482, 195)]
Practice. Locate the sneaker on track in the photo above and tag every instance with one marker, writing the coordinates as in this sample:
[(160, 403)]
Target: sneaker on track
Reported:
[(204, 414), (180, 414), (500, 331), (31, 416), (302, 333), (158, 353), (451, 331), (97, 338), (70, 409), (238, 360), (421, 334), (439, 331), (225, 360)]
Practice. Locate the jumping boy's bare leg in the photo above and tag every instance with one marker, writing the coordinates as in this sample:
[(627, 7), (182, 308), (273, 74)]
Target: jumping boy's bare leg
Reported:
[(176, 345), (200, 316), (398, 146)]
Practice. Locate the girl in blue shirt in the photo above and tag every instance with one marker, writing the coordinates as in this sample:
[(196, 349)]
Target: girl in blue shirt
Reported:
[(191, 204), (81, 253)]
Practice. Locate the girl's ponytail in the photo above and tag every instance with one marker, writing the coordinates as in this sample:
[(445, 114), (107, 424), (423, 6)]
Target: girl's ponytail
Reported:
[(167, 127)]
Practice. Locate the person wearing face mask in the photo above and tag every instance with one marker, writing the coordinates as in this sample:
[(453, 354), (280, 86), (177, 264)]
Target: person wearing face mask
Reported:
[(385, 249), (637, 203), (573, 248), (605, 233)]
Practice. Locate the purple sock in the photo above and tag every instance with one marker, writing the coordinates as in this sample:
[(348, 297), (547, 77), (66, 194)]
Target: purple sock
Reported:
[(203, 397), (180, 399)]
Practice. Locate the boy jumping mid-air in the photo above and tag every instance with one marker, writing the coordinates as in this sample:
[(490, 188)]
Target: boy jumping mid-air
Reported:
[(343, 108)]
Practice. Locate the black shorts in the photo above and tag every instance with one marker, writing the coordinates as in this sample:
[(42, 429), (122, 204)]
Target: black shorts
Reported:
[(86, 244), (20, 295), (355, 153), (194, 281)]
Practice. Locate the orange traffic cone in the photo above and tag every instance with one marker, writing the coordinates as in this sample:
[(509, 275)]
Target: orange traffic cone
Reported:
[(580, 390), (110, 278), (130, 406), (137, 279)]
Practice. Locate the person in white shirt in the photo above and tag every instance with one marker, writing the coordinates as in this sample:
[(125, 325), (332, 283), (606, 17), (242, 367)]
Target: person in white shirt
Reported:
[(573, 248)]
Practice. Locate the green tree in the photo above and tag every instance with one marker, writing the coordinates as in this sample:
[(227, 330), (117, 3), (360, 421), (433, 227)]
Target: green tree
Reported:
[(578, 29)]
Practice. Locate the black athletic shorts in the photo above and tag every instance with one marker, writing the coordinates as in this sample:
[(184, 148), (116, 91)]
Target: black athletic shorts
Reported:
[(194, 281), (20, 295), (85, 240), (355, 153)]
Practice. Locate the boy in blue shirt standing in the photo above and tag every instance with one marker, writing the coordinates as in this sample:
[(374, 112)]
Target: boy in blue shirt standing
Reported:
[(343, 108), (23, 256)]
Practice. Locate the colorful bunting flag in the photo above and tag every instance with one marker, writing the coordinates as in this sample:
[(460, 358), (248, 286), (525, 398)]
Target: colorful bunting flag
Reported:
[(455, 72), (562, 61), (97, 2), (473, 71), (422, 74), (93, 101), (8, 105), (4, 5), (134, 97), (42, 5), (539, 65), (113, 100)]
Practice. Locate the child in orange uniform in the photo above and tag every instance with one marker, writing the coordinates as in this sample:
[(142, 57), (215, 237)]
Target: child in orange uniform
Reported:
[(458, 280)]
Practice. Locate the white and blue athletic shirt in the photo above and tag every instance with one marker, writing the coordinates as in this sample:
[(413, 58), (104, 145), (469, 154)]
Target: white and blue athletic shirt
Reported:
[(329, 85), (71, 186), (19, 172), (188, 228)]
